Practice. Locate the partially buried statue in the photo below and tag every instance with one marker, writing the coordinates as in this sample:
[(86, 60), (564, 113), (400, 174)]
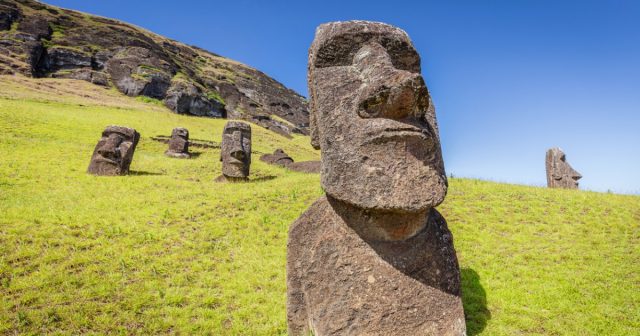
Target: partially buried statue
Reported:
[(114, 151), (278, 158), (179, 144), (373, 256), (559, 173), (236, 152)]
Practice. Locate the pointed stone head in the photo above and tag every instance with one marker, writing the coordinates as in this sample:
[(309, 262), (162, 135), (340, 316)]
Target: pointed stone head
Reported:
[(373, 119), (179, 143), (236, 150), (114, 151), (560, 174)]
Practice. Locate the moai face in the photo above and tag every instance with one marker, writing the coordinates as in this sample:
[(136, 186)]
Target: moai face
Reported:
[(560, 174), (236, 150), (114, 151), (179, 143), (373, 119)]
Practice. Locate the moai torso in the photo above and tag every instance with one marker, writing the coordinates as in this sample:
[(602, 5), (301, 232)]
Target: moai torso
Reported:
[(373, 257), (114, 152), (179, 144), (235, 151), (560, 174)]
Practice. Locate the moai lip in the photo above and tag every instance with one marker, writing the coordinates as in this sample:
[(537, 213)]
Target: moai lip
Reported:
[(179, 144), (560, 174), (374, 246), (114, 152), (235, 151)]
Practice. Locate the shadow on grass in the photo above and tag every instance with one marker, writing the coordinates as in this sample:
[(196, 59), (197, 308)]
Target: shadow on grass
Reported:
[(194, 155), (143, 173), (262, 178), (474, 299)]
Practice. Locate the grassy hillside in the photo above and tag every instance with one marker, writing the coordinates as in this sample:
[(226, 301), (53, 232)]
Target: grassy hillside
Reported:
[(167, 250)]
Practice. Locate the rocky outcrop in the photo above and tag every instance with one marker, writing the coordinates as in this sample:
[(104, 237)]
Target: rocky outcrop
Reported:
[(44, 41)]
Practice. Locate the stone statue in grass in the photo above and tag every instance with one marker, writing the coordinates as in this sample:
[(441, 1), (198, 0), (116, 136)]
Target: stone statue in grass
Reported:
[(560, 174), (179, 144), (235, 152), (114, 151), (373, 256), (278, 158)]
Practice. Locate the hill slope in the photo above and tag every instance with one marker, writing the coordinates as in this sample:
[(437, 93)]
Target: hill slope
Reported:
[(168, 251), (45, 41)]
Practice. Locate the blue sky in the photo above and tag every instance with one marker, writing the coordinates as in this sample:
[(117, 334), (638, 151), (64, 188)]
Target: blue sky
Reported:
[(509, 78)]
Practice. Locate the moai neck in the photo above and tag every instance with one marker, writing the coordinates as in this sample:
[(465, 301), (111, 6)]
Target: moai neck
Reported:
[(380, 225)]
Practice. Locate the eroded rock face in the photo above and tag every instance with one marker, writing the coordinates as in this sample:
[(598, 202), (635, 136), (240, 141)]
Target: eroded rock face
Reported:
[(114, 151), (373, 257), (236, 151), (44, 41), (179, 144), (560, 174), (279, 158)]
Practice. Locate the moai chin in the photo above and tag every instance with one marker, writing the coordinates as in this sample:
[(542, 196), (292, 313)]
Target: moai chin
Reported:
[(179, 144), (373, 256), (560, 174), (114, 151), (236, 151)]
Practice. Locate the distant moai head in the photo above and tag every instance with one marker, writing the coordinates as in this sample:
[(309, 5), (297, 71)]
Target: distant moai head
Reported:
[(179, 143), (560, 174), (114, 151), (279, 157), (236, 150), (373, 119)]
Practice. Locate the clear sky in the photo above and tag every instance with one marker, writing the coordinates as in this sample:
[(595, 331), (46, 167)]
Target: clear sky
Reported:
[(509, 78)]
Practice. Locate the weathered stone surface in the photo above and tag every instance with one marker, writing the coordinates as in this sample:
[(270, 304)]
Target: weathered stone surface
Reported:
[(279, 158), (107, 52), (179, 144), (374, 257), (559, 173), (235, 152), (186, 98), (114, 152)]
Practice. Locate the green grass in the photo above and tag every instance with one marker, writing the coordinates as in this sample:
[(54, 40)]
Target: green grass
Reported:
[(168, 251)]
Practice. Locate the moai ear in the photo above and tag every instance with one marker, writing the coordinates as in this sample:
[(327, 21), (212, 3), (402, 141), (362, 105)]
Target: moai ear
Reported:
[(313, 127)]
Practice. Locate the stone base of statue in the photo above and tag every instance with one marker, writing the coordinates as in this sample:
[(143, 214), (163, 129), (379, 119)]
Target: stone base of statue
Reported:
[(340, 284), (177, 155), (223, 179)]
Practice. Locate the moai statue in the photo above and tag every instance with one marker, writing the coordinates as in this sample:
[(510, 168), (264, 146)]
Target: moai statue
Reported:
[(114, 151), (179, 144), (236, 151), (559, 173), (373, 256), (279, 157)]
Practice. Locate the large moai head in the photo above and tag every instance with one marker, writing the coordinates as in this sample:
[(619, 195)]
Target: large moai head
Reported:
[(114, 151), (560, 174), (179, 143), (236, 150), (373, 119)]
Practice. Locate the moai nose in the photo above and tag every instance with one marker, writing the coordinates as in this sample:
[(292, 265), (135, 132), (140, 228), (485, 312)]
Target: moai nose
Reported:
[(388, 92), (110, 149), (238, 154)]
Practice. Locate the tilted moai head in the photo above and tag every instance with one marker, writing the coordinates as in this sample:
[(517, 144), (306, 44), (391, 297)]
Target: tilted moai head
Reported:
[(114, 151), (373, 119), (279, 157), (179, 143), (236, 150), (560, 174)]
